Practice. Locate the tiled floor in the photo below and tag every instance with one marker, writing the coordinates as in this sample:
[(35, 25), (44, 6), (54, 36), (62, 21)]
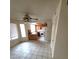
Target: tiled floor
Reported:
[(31, 50)]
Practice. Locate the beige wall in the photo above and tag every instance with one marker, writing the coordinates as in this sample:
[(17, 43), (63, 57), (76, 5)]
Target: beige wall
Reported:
[(55, 21), (14, 42), (61, 45), (49, 29)]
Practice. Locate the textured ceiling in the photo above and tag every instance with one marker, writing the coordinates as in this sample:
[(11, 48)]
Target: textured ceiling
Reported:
[(42, 9)]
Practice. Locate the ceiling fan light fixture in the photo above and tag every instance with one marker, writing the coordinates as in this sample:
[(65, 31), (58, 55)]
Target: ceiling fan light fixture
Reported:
[(27, 18)]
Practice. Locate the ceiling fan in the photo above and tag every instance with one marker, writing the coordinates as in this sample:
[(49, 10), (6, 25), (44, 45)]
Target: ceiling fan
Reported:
[(27, 18)]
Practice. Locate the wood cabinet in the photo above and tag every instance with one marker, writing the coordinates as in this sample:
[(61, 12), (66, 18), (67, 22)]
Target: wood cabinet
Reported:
[(33, 36)]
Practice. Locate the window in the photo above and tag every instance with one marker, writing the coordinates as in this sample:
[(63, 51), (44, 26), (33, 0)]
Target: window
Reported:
[(32, 25), (22, 27), (13, 31)]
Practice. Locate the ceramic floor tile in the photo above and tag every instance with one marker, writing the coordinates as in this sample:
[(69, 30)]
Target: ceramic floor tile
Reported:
[(31, 50)]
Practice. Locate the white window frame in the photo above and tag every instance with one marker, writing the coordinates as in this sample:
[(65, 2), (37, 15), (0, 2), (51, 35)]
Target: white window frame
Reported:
[(22, 28), (13, 37)]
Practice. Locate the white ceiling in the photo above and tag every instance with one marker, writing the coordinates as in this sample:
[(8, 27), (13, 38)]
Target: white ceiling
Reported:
[(43, 9)]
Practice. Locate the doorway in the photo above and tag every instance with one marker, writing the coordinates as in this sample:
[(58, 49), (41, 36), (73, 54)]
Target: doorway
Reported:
[(37, 30)]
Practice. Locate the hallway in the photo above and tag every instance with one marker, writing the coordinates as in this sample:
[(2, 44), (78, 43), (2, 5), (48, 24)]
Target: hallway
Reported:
[(31, 50)]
